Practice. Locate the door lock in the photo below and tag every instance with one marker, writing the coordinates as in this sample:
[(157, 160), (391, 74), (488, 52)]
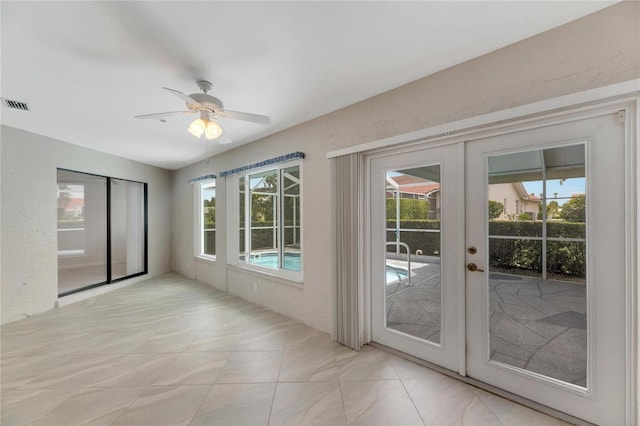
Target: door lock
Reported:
[(472, 250), (474, 268)]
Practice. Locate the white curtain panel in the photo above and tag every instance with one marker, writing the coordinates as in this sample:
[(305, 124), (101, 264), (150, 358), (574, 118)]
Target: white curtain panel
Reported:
[(346, 191)]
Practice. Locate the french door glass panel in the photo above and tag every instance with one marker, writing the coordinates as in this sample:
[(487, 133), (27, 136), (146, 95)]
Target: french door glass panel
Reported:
[(537, 278), (412, 266)]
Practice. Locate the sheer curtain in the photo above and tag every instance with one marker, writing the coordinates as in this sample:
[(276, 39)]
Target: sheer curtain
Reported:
[(347, 291)]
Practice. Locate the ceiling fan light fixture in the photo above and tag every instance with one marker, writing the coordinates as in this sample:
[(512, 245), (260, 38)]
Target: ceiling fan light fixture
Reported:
[(212, 130), (197, 127)]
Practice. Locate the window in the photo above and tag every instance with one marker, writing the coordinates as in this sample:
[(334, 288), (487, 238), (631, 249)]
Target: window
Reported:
[(207, 219), (102, 235), (269, 220)]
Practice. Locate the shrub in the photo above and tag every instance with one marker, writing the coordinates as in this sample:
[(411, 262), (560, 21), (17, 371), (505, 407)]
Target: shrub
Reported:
[(427, 242), (567, 259), (495, 209), (410, 209)]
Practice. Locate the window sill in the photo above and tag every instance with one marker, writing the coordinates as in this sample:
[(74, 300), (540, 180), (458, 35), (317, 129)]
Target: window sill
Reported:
[(208, 259), (272, 275)]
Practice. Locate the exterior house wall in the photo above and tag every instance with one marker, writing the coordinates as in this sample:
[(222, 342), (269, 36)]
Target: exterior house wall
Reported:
[(505, 194), (595, 51)]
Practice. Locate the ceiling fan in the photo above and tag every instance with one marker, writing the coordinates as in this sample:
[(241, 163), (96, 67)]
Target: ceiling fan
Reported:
[(209, 107)]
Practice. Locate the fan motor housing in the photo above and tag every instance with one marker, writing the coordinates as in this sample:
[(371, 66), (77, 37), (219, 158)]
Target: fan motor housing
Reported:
[(208, 102)]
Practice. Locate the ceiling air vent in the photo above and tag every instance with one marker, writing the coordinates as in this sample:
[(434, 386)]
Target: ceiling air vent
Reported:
[(22, 106)]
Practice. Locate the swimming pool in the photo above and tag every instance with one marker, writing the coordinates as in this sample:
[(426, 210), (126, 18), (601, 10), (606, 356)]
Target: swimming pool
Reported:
[(292, 263), (394, 275), (270, 260)]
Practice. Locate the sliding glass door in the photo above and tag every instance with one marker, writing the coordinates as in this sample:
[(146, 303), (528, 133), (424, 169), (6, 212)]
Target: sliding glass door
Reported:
[(127, 228), (101, 230), (82, 230)]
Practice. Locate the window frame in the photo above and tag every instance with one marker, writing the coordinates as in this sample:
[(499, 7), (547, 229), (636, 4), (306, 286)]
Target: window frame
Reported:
[(199, 188), (234, 259)]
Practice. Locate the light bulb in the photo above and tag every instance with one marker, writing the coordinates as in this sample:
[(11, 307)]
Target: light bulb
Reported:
[(197, 127), (213, 130)]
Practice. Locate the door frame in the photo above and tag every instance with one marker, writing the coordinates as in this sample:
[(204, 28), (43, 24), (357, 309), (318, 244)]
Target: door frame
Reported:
[(628, 107)]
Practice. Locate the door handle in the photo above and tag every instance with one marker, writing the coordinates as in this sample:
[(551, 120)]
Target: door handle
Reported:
[(474, 268)]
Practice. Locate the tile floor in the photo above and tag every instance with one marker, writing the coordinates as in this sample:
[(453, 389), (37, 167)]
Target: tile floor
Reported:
[(171, 351)]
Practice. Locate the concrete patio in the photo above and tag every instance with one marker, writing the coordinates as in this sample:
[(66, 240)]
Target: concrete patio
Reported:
[(538, 325)]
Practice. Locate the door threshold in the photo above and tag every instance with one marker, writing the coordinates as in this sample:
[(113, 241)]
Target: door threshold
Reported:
[(492, 389)]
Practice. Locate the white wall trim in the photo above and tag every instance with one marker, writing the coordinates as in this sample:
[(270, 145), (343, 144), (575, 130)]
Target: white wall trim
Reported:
[(547, 106)]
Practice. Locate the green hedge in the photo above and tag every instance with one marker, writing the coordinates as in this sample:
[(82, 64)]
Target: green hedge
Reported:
[(567, 259), (262, 239), (410, 209), (427, 242)]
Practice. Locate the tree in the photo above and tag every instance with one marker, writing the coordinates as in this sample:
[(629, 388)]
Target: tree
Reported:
[(495, 209), (552, 209), (574, 210)]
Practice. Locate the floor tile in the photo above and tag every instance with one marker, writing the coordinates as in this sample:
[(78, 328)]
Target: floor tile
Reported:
[(447, 401), (264, 338), (78, 371), (383, 402), (25, 406), (410, 370), (251, 367), (164, 405), (301, 337), (136, 370), (193, 369), (308, 366), (317, 403), (368, 364), (215, 340), (512, 414), (92, 406), (236, 404)]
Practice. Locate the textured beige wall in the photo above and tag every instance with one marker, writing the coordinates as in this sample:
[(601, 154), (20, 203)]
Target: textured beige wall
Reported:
[(595, 51), (28, 236)]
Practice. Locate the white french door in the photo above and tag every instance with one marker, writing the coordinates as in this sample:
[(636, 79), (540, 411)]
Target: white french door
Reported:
[(546, 316), (516, 272), (415, 263)]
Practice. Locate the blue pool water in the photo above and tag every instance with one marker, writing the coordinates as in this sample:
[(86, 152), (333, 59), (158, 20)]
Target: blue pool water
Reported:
[(395, 274), (292, 263), (270, 260)]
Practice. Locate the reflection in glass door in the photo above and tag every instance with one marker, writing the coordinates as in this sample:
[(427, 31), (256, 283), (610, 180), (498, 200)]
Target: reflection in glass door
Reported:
[(412, 266), (127, 228), (82, 230), (537, 261)]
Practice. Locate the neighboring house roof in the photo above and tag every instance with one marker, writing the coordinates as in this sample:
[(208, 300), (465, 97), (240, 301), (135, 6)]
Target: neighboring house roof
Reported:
[(415, 185), (522, 192), (74, 203)]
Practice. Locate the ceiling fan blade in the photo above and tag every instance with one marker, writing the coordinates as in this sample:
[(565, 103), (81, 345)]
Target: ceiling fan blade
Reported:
[(164, 114), (182, 96), (256, 118)]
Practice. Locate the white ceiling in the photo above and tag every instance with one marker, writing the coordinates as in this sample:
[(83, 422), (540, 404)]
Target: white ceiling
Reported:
[(86, 68)]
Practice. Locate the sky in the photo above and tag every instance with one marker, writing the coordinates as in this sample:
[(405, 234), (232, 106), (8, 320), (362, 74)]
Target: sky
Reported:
[(568, 188)]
